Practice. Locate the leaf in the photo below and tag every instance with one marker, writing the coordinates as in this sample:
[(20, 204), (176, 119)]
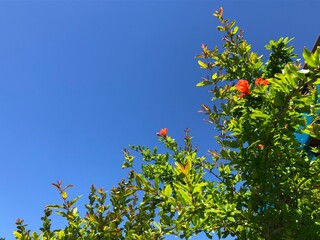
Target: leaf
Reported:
[(214, 76), (179, 185), (235, 30), (227, 169), (317, 81), (74, 210), (204, 83), (279, 83), (157, 226), (301, 121), (231, 144), (198, 187), (187, 167), (64, 195), (224, 154), (208, 235), (54, 206), (69, 186), (279, 99), (185, 196), (18, 235), (202, 64), (156, 183), (61, 213), (167, 191), (167, 219), (182, 169), (35, 236), (221, 11), (140, 179), (258, 114), (61, 234), (307, 55)]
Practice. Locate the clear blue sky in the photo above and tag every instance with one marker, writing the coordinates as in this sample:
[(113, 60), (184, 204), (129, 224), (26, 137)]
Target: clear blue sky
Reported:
[(80, 80)]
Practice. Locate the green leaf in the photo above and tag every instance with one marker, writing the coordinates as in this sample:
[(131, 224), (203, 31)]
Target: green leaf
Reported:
[(198, 187), (61, 234), (258, 114), (307, 55), (167, 220), (17, 235), (64, 195), (208, 235), (317, 81), (224, 153), (185, 196), (167, 191), (204, 83), (230, 143), (202, 64), (157, 226), (35, 236), (227, 169), (74, 200), (235, 30), (301, 121), (54, 206), (214, 76), (279, 83), (181, 186), (279, 99), (142, 181)]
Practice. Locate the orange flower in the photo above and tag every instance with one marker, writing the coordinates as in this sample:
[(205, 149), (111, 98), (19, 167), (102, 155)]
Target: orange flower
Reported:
[(260, 82), (260, 146), (243, 87), (163, 132)]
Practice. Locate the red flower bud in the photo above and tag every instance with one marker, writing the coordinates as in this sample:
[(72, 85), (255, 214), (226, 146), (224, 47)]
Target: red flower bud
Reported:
[(260, 146), (163, 132)]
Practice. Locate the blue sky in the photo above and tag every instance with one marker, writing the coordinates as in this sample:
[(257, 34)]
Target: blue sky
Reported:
[(80, 80)]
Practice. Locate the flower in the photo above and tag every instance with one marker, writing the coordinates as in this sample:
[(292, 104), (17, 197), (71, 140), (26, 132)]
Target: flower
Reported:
[(163, 132), (243, 87), (260, 146), (260, 82)]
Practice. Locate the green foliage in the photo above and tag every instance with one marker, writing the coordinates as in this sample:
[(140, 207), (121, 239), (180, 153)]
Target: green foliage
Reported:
[(261, 184), (281, 54)]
